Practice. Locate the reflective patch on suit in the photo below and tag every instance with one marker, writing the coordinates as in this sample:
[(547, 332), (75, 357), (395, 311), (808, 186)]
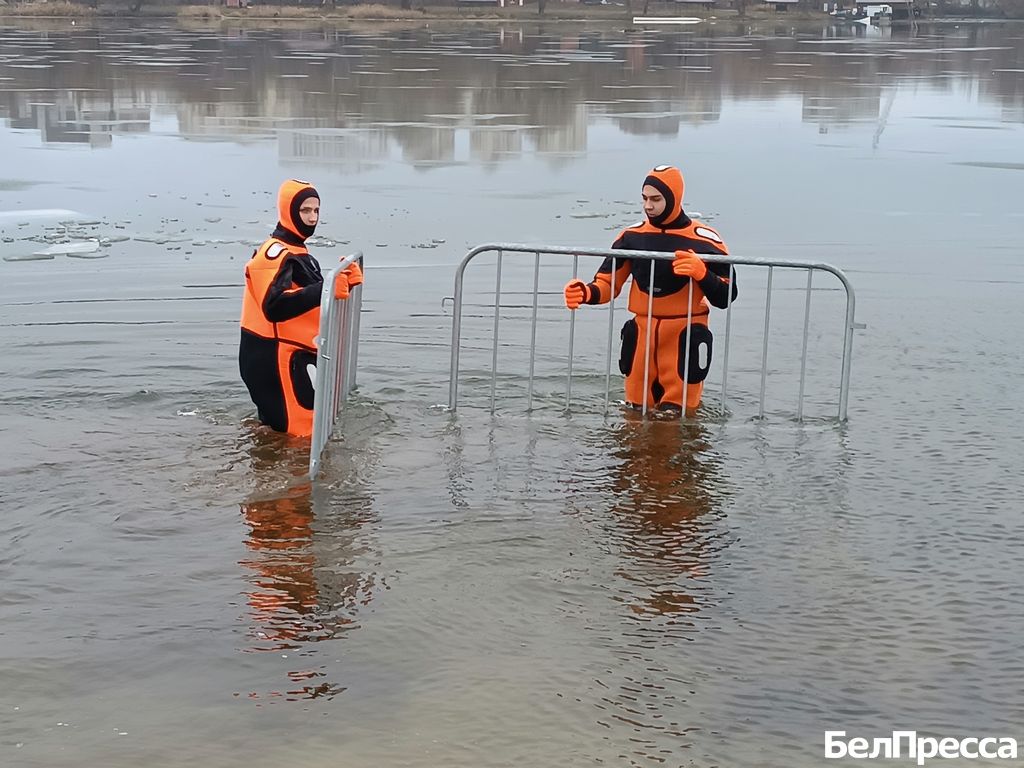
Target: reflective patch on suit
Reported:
[(301, 380), (274, 251), (710, 234), (700, 353), (628, 334), (660, 168), (311, 370)]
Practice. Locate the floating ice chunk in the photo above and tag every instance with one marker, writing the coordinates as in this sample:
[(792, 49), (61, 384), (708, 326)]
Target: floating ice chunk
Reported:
[(70, 249), (52, 214), (29, 257)]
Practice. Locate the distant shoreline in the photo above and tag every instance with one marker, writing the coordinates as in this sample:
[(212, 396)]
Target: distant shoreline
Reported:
[(274, 14), (555, 11)]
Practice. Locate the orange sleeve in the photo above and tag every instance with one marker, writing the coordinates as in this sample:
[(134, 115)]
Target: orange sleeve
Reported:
[(607, 284)]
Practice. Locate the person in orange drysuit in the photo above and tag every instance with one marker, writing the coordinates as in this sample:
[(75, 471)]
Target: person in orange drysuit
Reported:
[(667, 228), (281, 314)]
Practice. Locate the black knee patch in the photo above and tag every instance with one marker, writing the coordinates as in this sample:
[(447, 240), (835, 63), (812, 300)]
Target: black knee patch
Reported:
[(700, 353), (302, 386), (628, 334)]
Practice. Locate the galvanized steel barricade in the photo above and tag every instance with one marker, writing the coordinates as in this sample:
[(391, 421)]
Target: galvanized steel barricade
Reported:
[(336, 357), (536, 251)]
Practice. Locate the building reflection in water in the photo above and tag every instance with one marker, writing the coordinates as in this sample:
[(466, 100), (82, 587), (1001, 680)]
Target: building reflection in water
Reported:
[(75, 117), (347, 98), (348, 150)]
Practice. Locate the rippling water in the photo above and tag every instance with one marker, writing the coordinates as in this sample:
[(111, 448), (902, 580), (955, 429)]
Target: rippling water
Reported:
[(527, 590)]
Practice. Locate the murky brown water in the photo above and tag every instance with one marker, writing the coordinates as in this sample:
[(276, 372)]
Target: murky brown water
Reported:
[(521, 591)]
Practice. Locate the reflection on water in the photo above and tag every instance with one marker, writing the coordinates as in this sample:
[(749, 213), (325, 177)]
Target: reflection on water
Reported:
[(283, 596), (656, 493), (346, 99), (304, 584), (664, 492)]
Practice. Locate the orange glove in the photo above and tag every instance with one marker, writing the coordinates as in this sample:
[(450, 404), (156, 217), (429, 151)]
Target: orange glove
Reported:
[(355, 274), (689, 264), (576, 292), (341, 285)]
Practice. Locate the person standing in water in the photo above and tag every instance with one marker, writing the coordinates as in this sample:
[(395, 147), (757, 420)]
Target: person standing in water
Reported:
[(281, 314), (667, 228)]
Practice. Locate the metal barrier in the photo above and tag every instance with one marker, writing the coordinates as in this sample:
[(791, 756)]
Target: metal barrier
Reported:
[(503, 249), (336, 357)]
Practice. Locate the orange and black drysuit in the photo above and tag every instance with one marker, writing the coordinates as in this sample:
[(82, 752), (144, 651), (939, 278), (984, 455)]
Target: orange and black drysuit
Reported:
[(671, 231), (281, 319)]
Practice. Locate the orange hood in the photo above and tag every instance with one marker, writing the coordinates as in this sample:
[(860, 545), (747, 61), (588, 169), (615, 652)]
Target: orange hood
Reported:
[(289, 198), (668, 180)]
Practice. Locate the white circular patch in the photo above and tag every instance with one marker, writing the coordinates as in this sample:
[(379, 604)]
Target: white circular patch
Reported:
[(710, 234), (660, 168)]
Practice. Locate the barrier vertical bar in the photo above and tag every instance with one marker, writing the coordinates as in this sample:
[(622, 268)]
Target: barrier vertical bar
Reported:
[(647, 343), (533, 330), (572, 335), (764, 350), (728, 330), (686, 346), (611, 331), (803, 352), (357, 311), (453, 370), (497, 313), (341, 361), (844, 380), (344, 332)]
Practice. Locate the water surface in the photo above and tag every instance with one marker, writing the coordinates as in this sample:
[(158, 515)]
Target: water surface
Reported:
[(528, 590)]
